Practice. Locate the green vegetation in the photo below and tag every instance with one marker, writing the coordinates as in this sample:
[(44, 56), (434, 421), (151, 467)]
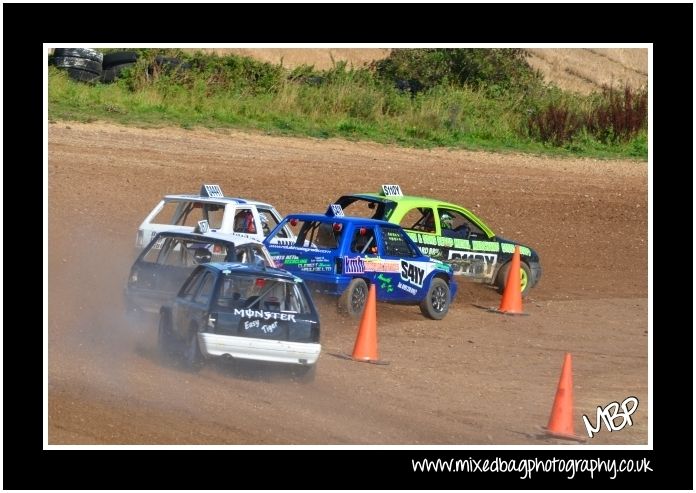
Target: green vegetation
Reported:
[(464, 98)]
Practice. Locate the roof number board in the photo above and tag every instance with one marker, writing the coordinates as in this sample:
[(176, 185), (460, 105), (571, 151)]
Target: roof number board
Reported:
[(213, 191), (391, 191)]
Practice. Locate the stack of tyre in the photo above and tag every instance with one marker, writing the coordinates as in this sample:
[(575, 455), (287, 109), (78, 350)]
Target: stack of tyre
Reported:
[(88, 65), (83, 64)]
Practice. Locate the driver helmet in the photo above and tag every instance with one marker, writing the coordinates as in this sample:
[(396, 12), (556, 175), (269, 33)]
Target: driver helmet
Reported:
[(446, 220), (264, 219)]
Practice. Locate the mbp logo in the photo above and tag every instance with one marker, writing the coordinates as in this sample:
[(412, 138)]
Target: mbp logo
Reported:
[(609, 415)]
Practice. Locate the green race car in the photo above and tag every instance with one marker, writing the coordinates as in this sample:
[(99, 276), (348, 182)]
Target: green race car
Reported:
[(450, 233)]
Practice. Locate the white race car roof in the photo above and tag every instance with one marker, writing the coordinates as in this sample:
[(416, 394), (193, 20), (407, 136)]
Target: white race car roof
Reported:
[(218, 200)]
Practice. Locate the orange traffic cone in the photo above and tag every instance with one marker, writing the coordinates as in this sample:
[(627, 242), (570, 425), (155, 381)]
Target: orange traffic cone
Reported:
[(561, 420), (512, 294), (366, 344)]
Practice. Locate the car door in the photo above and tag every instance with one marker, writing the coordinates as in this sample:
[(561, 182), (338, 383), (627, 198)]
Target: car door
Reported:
[(142, 290), (361, 257), (467, 245), (315, 246), (400, 275), (422, 226), (192, 304)]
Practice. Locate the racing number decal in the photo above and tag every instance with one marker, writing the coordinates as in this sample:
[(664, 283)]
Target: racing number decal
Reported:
[(475, 264), (392, 191), (412, 273)]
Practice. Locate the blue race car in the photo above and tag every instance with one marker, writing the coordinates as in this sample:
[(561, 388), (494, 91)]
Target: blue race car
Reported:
[(341, 256)]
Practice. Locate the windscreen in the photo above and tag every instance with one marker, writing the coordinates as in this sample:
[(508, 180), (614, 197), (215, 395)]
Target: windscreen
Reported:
[(261, 293)]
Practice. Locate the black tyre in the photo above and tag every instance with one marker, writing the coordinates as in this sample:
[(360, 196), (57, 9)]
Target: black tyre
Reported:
[(352, 301), (165, 339), (81, 63), (192, 357), (525, 278), (82, 75), (119, 58), (437, 301), (305, 373), (86, 53), (112, 73)]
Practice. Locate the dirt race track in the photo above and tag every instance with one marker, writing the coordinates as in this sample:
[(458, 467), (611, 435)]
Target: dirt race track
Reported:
[(473, 378)]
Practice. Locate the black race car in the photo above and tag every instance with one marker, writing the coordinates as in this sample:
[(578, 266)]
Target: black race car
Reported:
[(164, 264)]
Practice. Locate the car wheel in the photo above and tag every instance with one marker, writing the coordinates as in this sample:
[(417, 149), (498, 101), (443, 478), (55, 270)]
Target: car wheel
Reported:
[(525, 278), (192, 357), (165, 340), (305, 373), (437, 301), (352, 301)]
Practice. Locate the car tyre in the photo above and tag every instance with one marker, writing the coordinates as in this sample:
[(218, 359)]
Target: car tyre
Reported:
[(525, 278), (165, 339), (437, 301), (192, 357), (352, 301)]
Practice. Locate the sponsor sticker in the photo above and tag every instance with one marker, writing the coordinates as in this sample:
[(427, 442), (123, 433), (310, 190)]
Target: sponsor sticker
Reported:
[(354, 265), (379, 265), (264, 315), (407, 288)]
